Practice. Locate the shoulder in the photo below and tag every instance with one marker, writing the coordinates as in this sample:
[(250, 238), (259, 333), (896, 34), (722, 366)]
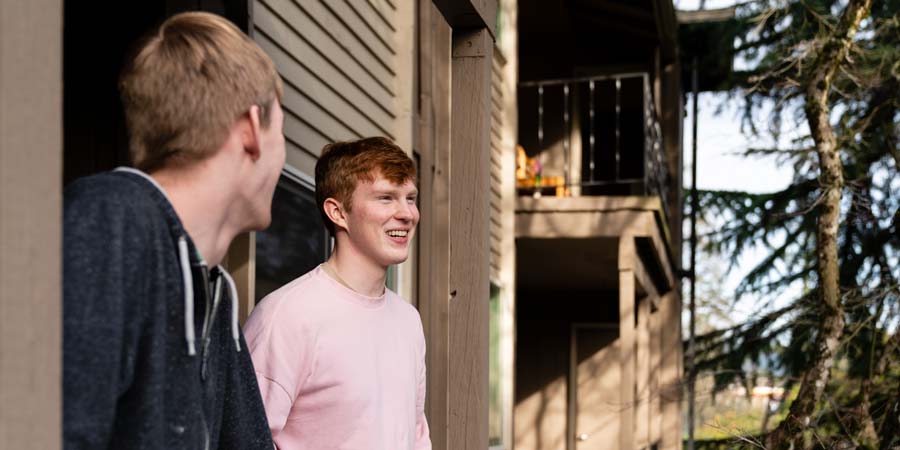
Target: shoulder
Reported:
[(109, 197), (109, 208), (405, 311), (292, 305), (107, 187)]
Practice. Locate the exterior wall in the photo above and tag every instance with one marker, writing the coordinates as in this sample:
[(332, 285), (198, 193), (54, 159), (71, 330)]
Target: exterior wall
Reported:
[(671, 121), (655, 401), (627, 342), (541, 400), (30, 223), (348, 71), (643, 360), (507, 43), (347, 68), (497, 150), (605, 396), (452, 141), (545, 323), (433, 151), (468, 309), (339, 62), (642, 418), (671, 368)]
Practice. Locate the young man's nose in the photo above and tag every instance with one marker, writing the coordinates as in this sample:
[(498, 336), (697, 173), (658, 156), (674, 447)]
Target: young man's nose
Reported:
[(405, 212)]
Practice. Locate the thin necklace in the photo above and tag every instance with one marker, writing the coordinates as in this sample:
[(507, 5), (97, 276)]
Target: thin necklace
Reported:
[(333, 272)]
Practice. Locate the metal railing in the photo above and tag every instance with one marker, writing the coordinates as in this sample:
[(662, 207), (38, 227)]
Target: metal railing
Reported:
[(655, 177)]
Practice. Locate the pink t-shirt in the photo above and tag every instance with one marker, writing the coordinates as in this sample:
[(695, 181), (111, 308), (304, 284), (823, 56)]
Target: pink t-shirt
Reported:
[(339, 370)]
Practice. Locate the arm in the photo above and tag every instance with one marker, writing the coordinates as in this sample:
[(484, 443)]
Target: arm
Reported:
[(100, 253), (244, 425), (423, 435), (282, 348)]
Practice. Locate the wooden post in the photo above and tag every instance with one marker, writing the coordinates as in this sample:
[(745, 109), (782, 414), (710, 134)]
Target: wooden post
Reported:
[(30, 224), (433, 149), (469, 240), (626, 342), (240, 261), (671, 368)]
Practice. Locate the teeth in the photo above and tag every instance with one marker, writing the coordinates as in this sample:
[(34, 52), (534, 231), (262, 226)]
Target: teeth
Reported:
[(397, 233)]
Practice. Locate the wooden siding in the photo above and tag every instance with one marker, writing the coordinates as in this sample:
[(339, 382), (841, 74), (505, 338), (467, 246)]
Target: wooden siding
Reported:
[(496, 223), (468, 314), (433, 148), (31, 113), (338, 61)]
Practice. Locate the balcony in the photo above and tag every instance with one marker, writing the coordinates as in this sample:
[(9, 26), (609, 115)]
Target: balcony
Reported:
[(591, 136)]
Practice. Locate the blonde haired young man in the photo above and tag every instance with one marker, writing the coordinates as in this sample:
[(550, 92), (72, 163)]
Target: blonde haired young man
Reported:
[(341, 359), (152, 354)]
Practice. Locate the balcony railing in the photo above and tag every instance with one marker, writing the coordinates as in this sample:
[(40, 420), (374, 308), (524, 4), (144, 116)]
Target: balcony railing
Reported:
[(620, 140)]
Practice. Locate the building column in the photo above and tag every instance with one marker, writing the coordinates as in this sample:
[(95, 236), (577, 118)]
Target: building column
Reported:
[(31, 224), (671, 369), (469, 313), (655, 370), (627, 341)]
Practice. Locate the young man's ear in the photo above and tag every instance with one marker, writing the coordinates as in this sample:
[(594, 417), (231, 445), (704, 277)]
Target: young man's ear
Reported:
[(336, 213), (250, 133)]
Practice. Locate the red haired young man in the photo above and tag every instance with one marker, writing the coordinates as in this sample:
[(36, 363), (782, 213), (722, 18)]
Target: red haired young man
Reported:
[(339, 358)]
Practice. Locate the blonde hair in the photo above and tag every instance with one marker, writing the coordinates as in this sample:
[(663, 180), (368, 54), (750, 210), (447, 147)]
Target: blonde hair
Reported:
[(187, 85)]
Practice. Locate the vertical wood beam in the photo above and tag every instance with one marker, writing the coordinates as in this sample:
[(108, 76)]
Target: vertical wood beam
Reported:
[(508, 43), (240, 261), (671, 368), (627, 341), (642, 375), (671, 117), (432, 139), (31, 224), (405, 122), (469, 239), (655, 369)]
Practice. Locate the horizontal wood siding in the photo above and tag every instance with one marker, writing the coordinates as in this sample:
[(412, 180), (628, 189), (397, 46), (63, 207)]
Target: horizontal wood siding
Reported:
[(496, 224), (338, 62)]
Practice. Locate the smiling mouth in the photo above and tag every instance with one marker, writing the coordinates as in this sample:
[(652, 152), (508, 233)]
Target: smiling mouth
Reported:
[(397, 233)]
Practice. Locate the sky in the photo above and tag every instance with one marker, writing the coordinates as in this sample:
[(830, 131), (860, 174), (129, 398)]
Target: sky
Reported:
[(720, 141), (721, 166)]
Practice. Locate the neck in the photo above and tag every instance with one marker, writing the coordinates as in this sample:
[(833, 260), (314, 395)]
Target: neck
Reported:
[(201, 200), (357, 273)]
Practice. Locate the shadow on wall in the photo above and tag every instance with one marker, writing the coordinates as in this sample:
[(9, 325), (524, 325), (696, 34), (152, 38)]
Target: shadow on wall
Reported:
[(544, 320)]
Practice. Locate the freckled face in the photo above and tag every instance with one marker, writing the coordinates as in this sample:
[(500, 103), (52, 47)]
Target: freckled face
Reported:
[(382, 220)]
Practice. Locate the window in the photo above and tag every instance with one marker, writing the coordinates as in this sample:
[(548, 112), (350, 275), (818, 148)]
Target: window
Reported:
[(496, 373), (296, 242)]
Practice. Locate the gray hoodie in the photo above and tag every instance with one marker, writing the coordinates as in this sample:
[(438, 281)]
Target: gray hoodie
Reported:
[(153, 357)]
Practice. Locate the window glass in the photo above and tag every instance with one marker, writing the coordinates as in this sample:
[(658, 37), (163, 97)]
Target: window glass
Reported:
[(295, 243), (495, 373)]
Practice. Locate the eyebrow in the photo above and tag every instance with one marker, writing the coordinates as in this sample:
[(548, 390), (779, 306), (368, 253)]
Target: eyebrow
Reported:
[(394, 192)]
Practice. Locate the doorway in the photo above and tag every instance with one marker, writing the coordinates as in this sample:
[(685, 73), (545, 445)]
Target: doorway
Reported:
[(595, 380)]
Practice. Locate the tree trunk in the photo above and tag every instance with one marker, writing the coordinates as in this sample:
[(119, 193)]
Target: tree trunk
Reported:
[(864, 425), (891, 428), (790, 432)]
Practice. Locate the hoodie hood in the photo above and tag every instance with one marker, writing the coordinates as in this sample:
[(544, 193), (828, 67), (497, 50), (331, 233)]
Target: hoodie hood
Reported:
[(186, 249)]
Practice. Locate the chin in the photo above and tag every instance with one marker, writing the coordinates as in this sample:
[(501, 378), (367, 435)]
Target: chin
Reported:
[(387, 260), (262, 223), (399, 259)]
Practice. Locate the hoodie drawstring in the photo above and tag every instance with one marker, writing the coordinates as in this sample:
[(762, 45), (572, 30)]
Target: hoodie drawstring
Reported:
[(235, 327), (188, 296)]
